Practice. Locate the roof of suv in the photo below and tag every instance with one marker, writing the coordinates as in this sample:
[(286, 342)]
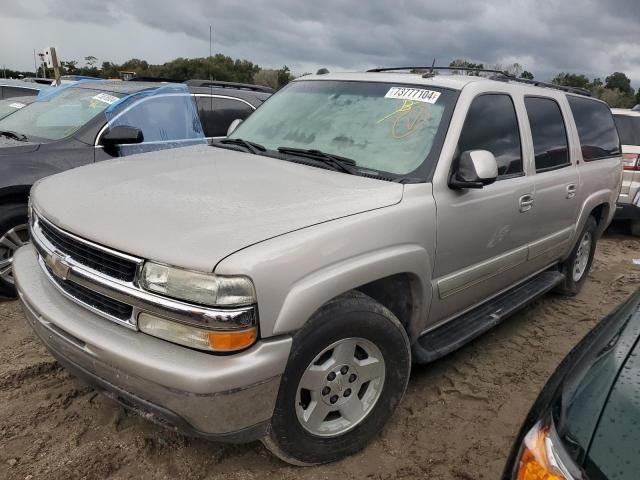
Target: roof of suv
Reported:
[(451, 81)]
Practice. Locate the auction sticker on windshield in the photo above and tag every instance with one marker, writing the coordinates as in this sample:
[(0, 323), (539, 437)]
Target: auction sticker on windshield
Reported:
[(416, 94), (106, 98), (17, 105)]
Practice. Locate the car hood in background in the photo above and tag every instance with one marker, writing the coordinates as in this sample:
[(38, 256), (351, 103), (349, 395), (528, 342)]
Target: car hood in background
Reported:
[(192, 207)]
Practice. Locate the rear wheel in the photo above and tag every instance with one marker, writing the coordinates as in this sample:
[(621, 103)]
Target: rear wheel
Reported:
[(348, 369), (577, 266), (14, 233), (635, 228)]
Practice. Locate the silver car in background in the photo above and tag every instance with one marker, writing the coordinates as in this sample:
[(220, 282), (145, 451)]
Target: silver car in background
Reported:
[(628, 124)]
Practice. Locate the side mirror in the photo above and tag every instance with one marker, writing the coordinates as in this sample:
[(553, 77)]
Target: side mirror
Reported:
[(475, 169), (121, 135), (235, 124)]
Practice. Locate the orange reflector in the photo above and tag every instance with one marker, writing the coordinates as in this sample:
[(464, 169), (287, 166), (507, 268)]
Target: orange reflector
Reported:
[(530, 469), (230, 341)]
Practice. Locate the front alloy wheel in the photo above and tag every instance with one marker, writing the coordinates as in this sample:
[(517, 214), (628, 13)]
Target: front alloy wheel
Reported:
[(11, 241), (340, 387), (347, 371)]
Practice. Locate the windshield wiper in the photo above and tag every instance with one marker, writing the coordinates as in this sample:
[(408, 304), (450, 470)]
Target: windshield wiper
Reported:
[(338, 163), (16, 136), (253, 147)]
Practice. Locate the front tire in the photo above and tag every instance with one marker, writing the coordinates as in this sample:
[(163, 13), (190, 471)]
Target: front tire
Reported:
[(14, 233), (635, 228), (576, 268), (347, 372)]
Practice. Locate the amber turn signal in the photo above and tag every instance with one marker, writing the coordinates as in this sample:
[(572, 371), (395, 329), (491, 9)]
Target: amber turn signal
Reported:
[(232, 341)]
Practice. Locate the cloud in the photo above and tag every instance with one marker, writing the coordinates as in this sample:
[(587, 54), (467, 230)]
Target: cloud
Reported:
[(546, 36)]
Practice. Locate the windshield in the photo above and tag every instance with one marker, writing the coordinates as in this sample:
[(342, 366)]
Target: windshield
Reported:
[(381, 126), (59, 115), (628, 129)]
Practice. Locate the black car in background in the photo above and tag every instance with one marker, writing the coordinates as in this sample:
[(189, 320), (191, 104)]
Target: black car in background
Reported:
[(19, 88), (585, 424), (90, 121), (13, 104)]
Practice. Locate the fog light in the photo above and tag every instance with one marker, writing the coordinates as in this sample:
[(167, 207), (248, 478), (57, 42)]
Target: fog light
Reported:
[(194, 337)]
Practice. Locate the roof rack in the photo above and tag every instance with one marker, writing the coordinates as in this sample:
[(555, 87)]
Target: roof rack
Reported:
[(499, 75), (218, 84), (564, 88)]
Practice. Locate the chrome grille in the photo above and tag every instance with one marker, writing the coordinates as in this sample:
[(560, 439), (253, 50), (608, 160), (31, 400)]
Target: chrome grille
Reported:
[(111, 307), (85, 254)]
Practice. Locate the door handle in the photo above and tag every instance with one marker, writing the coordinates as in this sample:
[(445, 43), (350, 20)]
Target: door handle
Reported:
[(526, 202), (571, 190)]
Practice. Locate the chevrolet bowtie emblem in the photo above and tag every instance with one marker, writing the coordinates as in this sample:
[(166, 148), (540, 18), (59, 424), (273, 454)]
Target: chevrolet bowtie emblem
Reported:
[(58, 266)]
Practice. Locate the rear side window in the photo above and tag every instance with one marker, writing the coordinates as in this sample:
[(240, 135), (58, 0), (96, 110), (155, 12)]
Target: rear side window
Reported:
[(597, 132), (548, 132), (628, 129), (10, 92), (492, 125)]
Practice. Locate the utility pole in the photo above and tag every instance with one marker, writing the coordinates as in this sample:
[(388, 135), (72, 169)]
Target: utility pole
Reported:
[(35, 65), (210, 50)]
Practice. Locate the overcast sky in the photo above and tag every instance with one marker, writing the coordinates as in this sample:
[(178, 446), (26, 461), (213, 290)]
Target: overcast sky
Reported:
[(545, 36)]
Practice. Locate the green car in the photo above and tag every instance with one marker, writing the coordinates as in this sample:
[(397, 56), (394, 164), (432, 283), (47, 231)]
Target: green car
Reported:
[(585, 424)]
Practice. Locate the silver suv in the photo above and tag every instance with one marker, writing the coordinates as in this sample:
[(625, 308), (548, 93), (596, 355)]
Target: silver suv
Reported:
[(278, 284), (628, 123)]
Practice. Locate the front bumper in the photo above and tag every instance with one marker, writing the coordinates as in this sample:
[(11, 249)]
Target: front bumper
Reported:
[(227, 398)]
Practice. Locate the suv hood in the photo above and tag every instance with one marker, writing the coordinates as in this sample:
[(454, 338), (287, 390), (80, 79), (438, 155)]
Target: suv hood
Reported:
[(192, 207)]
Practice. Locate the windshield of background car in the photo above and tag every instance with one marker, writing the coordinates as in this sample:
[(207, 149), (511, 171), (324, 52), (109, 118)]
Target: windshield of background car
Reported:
[(58, 115), (628, 129), (381, 126)]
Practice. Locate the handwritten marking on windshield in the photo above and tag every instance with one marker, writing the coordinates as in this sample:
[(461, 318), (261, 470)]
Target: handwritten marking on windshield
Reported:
[(408, 116)]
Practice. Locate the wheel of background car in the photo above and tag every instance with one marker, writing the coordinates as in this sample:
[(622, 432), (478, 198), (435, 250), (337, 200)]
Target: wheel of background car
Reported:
[(13, 234), (347, 371), (635, 228), (577, 266)]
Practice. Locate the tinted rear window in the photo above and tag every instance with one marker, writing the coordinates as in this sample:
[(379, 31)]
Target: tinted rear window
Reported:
[(548, 133), (628, 129), (597, 132)]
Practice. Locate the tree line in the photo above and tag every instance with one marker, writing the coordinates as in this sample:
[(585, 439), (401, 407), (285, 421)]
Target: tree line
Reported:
[(616, 89), (217, 67)]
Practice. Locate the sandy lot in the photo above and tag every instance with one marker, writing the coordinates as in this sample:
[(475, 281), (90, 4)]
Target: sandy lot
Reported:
[(457, 421)]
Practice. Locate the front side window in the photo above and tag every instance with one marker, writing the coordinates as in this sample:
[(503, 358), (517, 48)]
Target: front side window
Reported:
[(58, 115), (492, 124), (596, 129), (628, 129), (161, 117), (381, 126), (548, 132), (218, 113)]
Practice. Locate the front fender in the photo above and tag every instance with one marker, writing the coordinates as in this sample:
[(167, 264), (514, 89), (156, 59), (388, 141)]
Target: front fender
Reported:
[(296, 273), (309, 293)]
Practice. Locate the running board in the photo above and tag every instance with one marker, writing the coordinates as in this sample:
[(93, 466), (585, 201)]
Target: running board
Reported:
[(455, 333)]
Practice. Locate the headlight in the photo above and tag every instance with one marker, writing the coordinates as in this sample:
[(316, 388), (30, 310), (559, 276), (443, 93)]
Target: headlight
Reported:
[(539, 459), (201, 288)]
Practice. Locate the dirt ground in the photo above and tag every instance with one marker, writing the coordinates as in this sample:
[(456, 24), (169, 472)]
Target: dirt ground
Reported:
[(457, 420)]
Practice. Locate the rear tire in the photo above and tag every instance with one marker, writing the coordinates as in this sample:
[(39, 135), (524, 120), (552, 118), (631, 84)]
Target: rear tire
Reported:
[(13, 234), (576, 268), (351, 360), (635, 228)]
